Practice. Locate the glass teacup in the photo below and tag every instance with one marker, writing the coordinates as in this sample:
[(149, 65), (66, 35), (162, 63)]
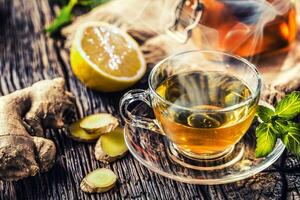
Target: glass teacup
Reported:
[(203, 102)]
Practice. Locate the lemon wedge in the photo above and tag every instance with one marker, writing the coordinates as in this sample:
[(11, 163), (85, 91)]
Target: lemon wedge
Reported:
[(106, 58)]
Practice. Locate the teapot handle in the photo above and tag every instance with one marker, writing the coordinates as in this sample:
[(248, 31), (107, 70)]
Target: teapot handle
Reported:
[(182, 24)]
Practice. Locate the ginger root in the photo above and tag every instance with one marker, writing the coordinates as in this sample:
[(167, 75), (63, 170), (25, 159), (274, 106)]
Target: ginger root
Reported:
[(99, 180), (46, 104)]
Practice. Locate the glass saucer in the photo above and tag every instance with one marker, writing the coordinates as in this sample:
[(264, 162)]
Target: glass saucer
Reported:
[(156, 153)]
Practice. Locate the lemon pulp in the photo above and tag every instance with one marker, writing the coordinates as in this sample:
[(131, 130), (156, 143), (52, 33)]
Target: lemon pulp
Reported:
[(106, 58), (112, 53)]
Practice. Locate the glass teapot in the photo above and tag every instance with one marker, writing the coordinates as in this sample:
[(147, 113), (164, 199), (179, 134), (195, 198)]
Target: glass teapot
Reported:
[(243, 27)]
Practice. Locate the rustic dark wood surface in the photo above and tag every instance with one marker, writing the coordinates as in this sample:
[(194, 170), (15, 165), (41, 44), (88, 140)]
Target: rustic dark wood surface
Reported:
[(28, 55)]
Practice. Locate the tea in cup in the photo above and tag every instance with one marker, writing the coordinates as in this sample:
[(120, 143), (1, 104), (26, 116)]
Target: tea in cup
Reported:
[(203, 102)]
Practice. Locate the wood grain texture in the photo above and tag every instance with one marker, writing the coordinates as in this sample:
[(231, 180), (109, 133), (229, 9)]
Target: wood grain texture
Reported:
[(27, 55)]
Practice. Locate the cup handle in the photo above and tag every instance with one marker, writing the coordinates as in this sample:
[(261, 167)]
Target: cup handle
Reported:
[(135, 120)]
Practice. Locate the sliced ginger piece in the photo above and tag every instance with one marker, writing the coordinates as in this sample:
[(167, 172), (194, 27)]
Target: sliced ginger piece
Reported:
[(100, 123), (79, 134), (111, 146), (99, 180)]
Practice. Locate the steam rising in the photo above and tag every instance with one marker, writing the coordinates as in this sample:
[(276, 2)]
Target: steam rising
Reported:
[(248, 13), (257, 11), (251, 17)]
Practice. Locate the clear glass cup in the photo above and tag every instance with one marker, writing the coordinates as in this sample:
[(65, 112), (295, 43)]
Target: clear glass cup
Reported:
[(211, 128)]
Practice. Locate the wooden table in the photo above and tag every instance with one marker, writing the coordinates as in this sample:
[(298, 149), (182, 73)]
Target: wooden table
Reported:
[(28, 55)]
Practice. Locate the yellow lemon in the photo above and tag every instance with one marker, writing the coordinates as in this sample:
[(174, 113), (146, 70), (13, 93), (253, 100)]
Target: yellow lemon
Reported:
[(106, 58)]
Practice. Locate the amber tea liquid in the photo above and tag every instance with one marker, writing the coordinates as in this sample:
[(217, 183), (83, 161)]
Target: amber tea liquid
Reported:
[(194, 130)]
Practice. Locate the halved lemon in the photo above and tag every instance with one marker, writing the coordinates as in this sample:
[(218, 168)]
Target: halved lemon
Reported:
[(106, 58)]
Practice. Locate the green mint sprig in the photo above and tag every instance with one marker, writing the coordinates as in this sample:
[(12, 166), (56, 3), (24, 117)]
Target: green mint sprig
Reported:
[(65, 15), (279, 124)]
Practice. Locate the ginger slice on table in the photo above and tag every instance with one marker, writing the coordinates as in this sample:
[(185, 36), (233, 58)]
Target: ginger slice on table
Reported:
[(79, 134), (111, 146), (99, 123), (99, 180)]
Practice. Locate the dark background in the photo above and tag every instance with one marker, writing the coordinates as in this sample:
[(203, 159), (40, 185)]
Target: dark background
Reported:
[(28, 55)]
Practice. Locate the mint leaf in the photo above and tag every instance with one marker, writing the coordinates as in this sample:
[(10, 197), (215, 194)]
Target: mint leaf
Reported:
[(291, 138), (281, 126), (265, 113), (63, 18), (278, 124), (289, 106), (265, 139), (65, 15)]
